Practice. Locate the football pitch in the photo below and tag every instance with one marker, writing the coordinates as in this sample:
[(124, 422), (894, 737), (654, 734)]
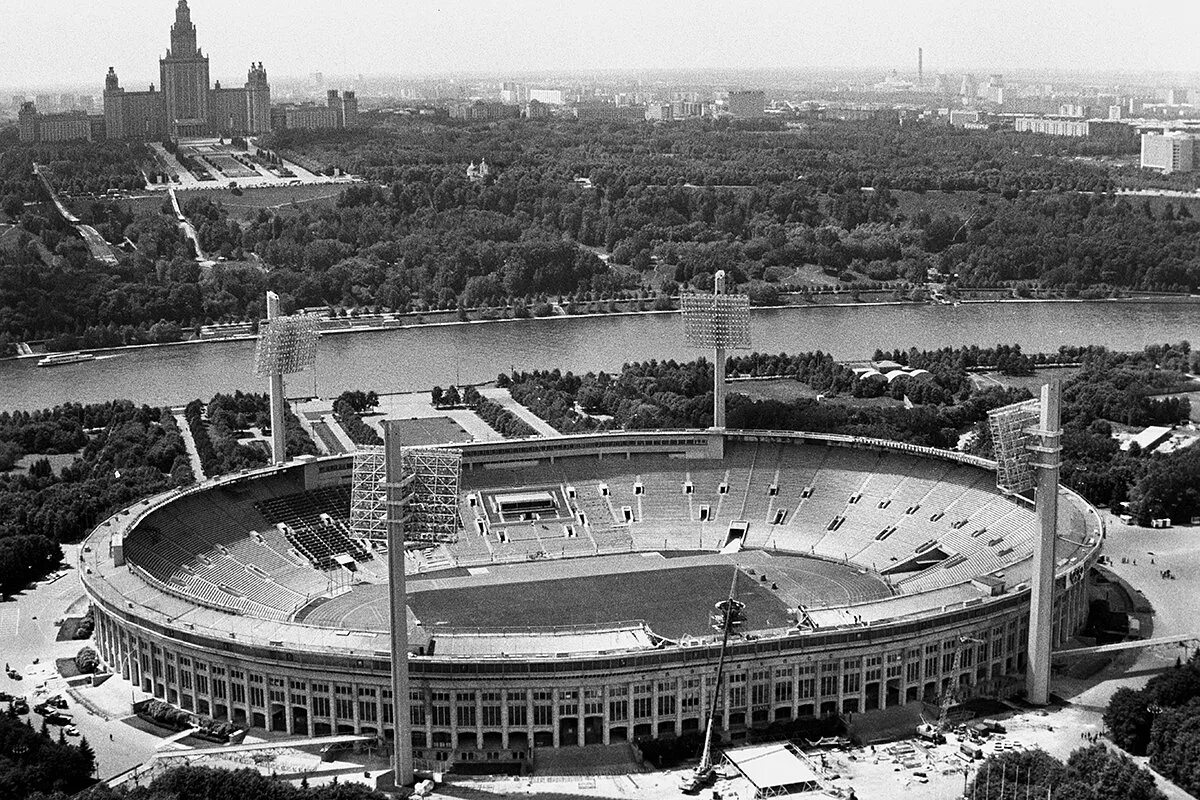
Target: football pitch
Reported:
[(675, 602)]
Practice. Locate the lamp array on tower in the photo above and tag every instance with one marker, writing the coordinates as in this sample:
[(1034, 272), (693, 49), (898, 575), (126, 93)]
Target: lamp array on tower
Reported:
[(286, 345), (720, 322)]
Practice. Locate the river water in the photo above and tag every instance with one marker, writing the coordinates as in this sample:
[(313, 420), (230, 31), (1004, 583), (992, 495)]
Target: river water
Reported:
[(414, 359)]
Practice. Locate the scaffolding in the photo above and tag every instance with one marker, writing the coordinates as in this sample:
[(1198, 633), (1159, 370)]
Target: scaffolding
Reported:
[(368, 496), (286, 345), (1013, 429), (430, 498)]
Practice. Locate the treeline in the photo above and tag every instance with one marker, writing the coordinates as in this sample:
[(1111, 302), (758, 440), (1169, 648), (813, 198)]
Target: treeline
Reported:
[(130, 451), (218, 426), (348, 409), (75, 167), (32, 763), (1162, 720), (501, 420), (206, 783), (1126, 389), (24, 559), (498, 418), (669, 394), (666, 205), (1110, 388), (940, 384), (927, 426), (1091, 773)]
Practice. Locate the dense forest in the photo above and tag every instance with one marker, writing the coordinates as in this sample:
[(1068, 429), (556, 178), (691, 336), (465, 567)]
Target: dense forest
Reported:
[(580, 212), (75, 167), (118, 453), (122, 452)]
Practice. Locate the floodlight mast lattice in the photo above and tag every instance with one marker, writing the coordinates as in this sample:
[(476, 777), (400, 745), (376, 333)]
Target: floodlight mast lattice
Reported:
[(719, 322), (286, 345), (1029, 454), (419, 484)]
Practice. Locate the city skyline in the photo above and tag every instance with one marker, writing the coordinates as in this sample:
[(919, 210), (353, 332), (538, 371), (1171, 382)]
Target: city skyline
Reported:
[(539, 36)]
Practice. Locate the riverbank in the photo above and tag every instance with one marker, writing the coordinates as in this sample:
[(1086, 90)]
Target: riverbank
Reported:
[(449, 352), (406, 325)]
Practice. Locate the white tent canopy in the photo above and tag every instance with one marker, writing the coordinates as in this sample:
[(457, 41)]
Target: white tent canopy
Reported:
[(774, 769)]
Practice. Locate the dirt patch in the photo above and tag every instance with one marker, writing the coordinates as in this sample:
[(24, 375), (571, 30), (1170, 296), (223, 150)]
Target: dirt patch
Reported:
[(67, 667), (68, 630)]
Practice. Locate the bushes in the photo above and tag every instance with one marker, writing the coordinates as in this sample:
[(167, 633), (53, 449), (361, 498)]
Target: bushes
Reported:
[(87, 661), (166, 714), (86, 625), (351, 421), (502, 420), (169, 716)]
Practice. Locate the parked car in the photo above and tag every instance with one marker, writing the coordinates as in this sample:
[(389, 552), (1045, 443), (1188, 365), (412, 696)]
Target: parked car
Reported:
[(71, 730)]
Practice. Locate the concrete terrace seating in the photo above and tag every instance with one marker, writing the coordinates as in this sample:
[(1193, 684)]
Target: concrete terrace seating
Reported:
[(316, 524), (203, 547)]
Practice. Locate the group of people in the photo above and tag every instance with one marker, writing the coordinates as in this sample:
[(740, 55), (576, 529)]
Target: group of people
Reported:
[(1090, 736)]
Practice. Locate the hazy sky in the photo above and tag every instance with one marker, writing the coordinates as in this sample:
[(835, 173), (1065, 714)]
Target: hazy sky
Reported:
[(44, 42)]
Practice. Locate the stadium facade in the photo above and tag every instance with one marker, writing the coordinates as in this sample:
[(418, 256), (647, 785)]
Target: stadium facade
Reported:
[(884, 574)]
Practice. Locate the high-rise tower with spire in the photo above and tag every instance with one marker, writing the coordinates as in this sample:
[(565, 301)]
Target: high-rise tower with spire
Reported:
[(185, 103), (185, 83)]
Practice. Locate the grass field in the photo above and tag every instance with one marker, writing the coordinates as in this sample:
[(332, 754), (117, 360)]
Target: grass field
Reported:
[(674, 602), (1031, 382), (788, 390)]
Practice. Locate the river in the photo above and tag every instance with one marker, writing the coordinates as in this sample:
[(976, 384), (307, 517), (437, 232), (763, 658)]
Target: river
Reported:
[(414, 359)]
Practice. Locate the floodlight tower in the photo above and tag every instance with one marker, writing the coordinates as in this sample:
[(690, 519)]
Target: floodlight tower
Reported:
[(1046, 457), (719, 322), (1029, 455), (421, 494), (286, 345)]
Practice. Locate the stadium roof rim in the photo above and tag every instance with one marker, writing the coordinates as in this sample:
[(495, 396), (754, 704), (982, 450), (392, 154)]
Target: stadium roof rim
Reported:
[(105, 585)]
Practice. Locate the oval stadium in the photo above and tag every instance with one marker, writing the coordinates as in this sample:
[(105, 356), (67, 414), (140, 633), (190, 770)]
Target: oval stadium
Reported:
[(573, 606)]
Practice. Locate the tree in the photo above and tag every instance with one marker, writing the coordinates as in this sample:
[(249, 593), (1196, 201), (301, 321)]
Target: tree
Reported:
[(452, 397), (87, 754), (436, 395), (470, 396), (1128, 720)]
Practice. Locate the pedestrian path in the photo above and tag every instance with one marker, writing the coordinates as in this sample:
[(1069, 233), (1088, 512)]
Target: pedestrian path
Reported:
[(189, 442), (10, 621), (505, 399)]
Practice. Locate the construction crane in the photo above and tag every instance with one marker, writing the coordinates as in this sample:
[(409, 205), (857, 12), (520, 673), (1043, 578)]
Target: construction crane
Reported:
[(728, 616)]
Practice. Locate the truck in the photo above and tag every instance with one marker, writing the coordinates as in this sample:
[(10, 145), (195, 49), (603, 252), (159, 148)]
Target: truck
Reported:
[(930, 733), (972, 751)]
